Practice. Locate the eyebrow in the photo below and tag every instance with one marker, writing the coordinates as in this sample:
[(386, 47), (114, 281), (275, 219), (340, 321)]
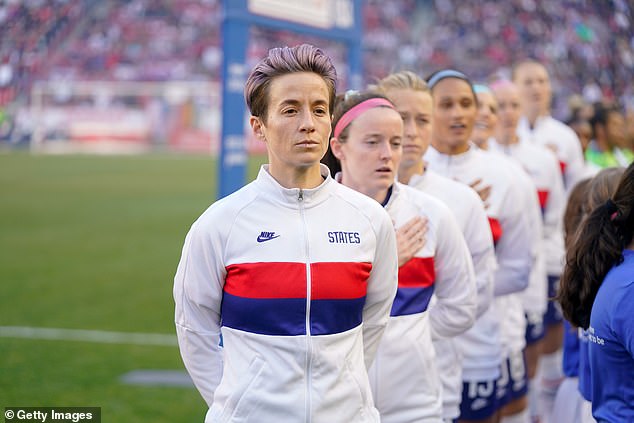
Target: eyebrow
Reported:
[(460, 98), (294, 102)]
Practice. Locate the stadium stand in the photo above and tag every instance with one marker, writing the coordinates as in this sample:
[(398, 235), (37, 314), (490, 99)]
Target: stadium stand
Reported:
[(587, 44)]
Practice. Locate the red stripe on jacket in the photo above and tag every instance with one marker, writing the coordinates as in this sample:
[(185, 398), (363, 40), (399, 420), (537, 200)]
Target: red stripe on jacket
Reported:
[(329, 280), (496, 229), (562, 166), (543, 198), (418, 272)]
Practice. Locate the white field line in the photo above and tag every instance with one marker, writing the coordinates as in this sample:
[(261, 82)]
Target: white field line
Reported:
[(106, 337)]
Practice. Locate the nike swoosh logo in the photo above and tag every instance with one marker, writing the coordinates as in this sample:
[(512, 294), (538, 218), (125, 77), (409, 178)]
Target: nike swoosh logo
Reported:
[(266, 238)]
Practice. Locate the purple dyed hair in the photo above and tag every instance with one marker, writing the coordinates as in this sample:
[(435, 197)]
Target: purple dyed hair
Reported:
[(282, 61)]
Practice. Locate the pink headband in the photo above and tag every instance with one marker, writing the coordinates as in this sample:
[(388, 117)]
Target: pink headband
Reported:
[(353, 113)]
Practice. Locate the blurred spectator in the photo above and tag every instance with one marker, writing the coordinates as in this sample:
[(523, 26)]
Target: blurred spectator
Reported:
[(608, 147), (587, 45)]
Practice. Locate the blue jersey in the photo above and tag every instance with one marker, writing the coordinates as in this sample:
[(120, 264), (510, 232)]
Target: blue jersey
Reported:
[(585, 380), (571, 350), (611, 341)]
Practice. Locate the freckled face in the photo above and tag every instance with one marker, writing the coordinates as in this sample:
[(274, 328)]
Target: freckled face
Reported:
[(372, 152), (297, 125)]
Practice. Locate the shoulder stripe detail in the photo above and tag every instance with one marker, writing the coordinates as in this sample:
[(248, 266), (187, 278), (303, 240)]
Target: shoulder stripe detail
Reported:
[(496, 229), (411, 300), (415, 286), (543, 199), (419, 272)]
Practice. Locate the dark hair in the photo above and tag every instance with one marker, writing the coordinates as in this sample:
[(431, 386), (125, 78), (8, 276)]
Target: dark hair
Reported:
[(576, 209), (602, 187), (282, 61), (576, 118), (601, 114), (438, 76), (343, 103), (599, 244)]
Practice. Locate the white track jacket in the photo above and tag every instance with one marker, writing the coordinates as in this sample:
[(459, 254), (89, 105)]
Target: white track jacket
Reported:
[(542, 167), (550, 132), (404, 376), (514, 326), (482, 342), (301, 283), (510, 229)]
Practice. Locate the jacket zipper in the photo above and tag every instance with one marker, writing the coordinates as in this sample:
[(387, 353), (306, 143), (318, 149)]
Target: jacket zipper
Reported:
[(309, 344)]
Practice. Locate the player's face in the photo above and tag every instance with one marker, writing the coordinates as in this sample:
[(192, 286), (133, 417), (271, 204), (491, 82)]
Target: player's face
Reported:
[(297, 125), (615, 130), (534, 85), (584, 132), (454, 115), (371, 154), (486, 119), (415, 110), (509, 112)]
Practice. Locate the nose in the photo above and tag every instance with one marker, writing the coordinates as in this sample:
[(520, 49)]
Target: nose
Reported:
[(385, 151), (307, 123), (409, 128)]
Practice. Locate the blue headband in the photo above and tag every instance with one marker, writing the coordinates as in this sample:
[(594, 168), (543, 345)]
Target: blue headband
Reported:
[(479, 88), (447, 73)]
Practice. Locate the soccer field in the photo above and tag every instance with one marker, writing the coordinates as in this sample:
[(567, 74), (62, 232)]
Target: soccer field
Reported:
[(92, 243)]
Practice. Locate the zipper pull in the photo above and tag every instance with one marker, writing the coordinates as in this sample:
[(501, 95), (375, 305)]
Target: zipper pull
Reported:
[(300, 197)]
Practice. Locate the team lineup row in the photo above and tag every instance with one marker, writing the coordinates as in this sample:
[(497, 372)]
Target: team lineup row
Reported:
[(429, 299)]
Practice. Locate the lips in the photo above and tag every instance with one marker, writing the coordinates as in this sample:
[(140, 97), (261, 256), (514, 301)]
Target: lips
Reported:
[(307, 143), (384, 170), (458, 127)]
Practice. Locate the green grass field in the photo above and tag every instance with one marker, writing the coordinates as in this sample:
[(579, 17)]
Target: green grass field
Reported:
[(92, 242)]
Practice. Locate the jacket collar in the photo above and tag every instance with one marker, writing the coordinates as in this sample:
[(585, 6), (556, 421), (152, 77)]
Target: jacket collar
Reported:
[(292, 197), (433, 155), (540, 121)]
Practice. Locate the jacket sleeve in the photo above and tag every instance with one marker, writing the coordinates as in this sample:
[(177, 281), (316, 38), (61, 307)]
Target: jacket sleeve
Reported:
[(198, 288), (573, 159), (455, 309), (480, 243), (514, 250), (553, 221), (382, 285), (621, 320), (534, 297)]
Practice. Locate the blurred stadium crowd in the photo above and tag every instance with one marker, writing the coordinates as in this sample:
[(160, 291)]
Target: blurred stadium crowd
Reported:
[(588, 45)]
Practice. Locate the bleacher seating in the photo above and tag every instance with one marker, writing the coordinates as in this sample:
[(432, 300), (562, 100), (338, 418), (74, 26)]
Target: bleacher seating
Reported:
[(587, 44)]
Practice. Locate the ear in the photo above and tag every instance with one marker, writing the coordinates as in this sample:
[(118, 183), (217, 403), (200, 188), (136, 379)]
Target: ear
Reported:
[(337, 148), (257, 127)]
